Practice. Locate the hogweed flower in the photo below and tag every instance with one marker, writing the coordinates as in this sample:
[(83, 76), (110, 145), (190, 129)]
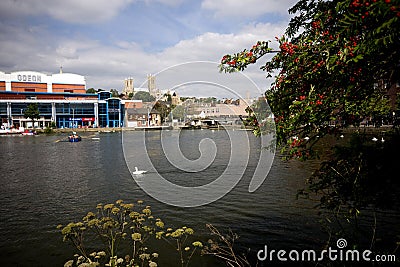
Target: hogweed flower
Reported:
[(69, 263), (160, 224), (177, 233), (108, 206), (101, 253), (136, 236), (144, 256), (159, 234), (189, 231), (146, 211), (197, 244), (115, 210)]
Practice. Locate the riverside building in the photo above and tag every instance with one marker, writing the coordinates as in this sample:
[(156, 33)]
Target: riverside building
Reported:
[(61, 98)]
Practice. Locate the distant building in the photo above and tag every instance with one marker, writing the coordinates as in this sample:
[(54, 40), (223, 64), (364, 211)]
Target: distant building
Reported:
[(61, 100), (151, 86), (233, 108), (32, 81), (133, 104), (139, 114), (175, 99), (128, 87)]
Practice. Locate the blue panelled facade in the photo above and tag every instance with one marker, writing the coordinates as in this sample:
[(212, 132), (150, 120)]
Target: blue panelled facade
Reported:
[(74, 115), (111, 111), (66, 111)]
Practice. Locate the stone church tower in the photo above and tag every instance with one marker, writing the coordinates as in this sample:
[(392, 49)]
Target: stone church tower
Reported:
[(128, 87), (151, 86)]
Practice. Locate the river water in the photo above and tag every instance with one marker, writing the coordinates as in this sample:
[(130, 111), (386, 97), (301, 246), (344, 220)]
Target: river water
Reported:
[(46, 181)]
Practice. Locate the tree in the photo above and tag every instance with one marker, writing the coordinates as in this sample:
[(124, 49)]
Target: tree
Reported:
[(91, 91), (336, 60), (163, 108), (209, 100), (144, 96), (114, 93), (328, 64), (178, 112), (32, 112)]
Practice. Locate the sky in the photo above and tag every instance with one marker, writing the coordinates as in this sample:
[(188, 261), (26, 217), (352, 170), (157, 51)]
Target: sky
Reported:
[(109, 41)]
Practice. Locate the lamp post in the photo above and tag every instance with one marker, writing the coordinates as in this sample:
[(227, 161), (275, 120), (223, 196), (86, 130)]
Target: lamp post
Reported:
[(148, 117), (73, 118)]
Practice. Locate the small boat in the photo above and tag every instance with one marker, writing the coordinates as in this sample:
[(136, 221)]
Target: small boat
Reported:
[(138, 172), (29, 132), (74, 137)]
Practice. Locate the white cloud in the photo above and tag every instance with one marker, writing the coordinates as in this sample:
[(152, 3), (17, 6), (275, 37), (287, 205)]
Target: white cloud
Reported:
[(212, 46), (166, 2), (107, 65), (72, 11), (249, 8)]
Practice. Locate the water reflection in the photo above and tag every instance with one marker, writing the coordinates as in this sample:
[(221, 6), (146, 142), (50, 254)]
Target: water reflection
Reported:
[(45, 183)]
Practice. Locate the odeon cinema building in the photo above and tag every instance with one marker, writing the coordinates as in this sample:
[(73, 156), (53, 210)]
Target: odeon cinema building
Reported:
[(61, 99)]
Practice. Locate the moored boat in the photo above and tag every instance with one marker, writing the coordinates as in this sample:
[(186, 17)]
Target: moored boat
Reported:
[(29, 132), (74, 137)]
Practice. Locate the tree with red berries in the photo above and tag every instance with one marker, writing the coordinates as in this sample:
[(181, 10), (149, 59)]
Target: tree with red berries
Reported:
[(336, 59), (336, 63)]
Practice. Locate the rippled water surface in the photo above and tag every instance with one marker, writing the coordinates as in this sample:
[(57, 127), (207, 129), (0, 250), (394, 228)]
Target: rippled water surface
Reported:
[(46, 181)]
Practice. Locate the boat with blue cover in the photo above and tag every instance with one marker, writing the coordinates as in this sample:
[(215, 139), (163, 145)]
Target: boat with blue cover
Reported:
[(74, 137)]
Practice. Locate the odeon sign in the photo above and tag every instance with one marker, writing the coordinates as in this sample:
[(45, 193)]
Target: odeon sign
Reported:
[(29, 78)]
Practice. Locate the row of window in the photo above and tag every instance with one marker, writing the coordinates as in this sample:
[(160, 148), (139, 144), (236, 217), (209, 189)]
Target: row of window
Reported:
[(78, 109), (211, 111), (110, 113)]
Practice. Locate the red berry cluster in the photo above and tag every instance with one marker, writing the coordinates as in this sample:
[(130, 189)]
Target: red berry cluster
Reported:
[(288, 48), (318, 65), (316, 24), (227, 59), (296, 143), (250, 56), (361, 7)]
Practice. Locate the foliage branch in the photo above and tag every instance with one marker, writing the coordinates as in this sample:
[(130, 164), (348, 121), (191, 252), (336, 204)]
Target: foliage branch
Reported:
[(335, 65)]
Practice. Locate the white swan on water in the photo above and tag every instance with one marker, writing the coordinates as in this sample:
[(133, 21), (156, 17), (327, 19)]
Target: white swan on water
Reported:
[(138, 172)]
